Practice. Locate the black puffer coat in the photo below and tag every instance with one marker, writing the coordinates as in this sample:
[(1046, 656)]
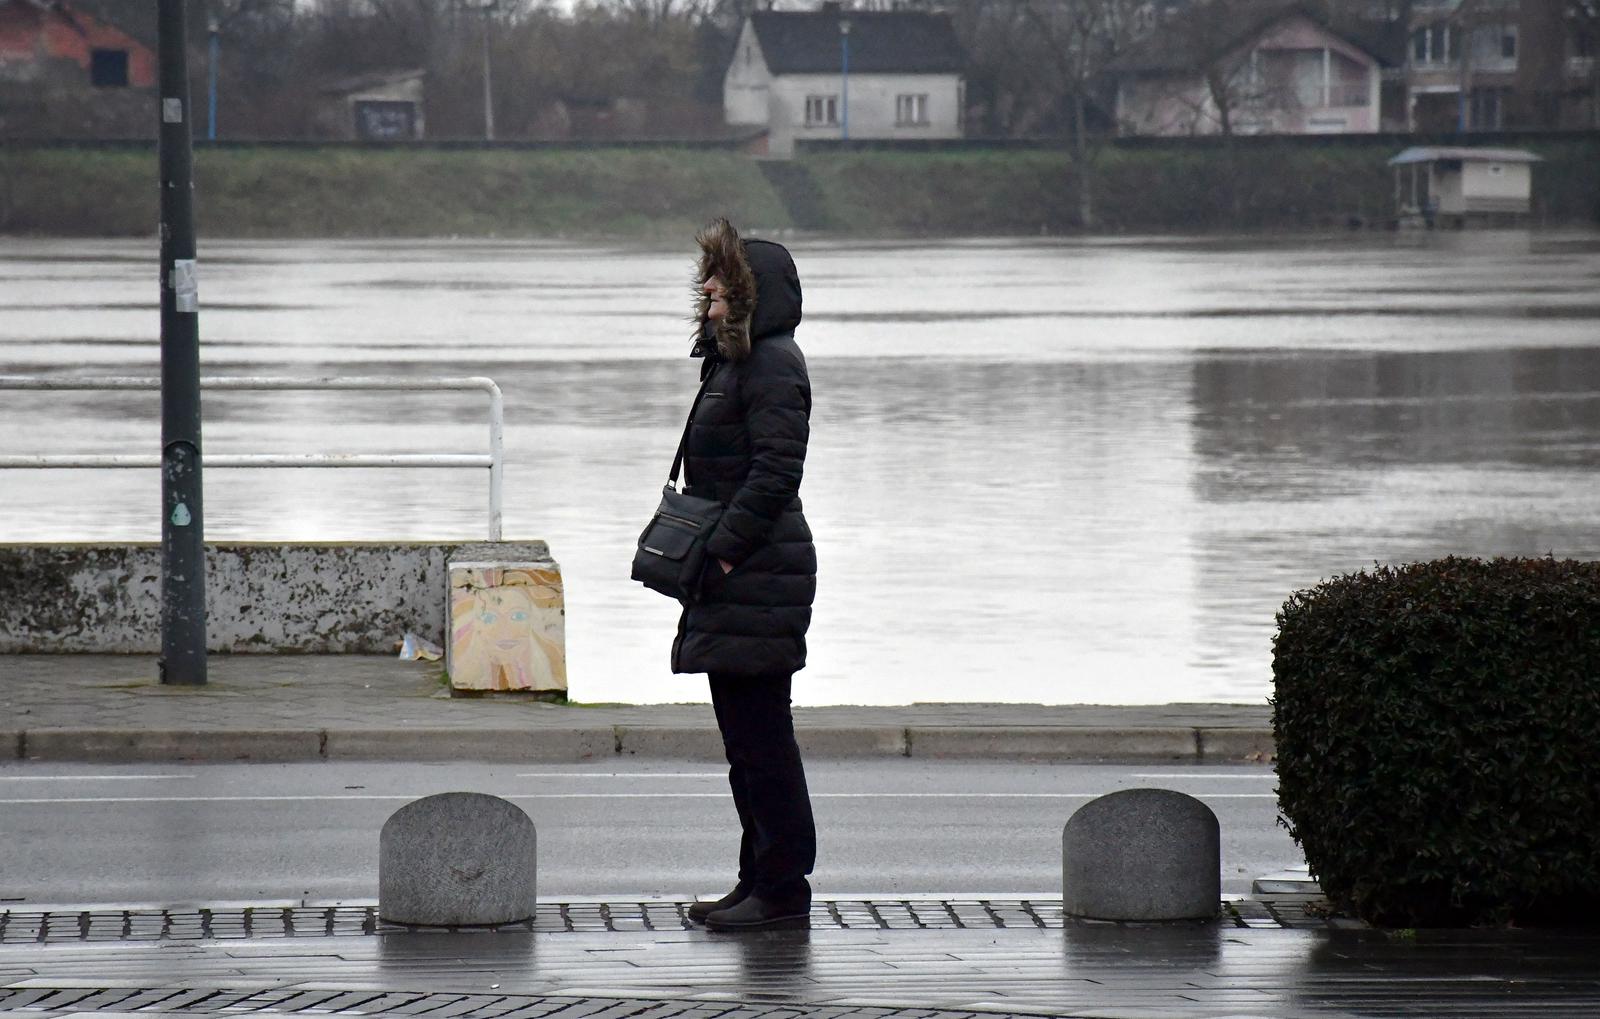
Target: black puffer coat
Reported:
[(746, 448)]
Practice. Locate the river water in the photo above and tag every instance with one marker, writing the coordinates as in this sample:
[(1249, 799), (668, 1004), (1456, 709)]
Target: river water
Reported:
[(1053, 471)]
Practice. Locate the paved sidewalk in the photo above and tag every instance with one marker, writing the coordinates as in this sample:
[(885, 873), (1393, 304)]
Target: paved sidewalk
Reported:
[(357, 707), (1184, 971)]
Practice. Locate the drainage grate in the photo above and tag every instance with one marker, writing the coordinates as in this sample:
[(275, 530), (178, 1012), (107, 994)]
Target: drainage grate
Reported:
[(476, 1006), (21, 927)]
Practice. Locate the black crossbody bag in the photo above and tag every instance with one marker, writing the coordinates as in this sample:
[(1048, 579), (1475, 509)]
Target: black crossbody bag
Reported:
[(672, 549)]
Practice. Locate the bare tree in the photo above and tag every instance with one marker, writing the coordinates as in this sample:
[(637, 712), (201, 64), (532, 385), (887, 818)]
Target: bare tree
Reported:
[(1079, 39)]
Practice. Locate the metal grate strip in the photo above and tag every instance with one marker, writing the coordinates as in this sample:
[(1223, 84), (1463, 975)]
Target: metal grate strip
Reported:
[(22, 926)]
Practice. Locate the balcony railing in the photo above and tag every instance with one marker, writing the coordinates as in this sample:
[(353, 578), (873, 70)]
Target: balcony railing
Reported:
[(1345, 96)]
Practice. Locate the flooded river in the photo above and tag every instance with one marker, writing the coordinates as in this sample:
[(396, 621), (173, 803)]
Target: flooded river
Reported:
[(1040, 471)]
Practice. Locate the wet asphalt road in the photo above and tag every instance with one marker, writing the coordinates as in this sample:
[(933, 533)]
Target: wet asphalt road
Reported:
[(215, 833)]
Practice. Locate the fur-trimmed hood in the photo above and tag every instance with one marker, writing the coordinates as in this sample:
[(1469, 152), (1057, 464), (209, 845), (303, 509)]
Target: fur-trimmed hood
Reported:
[(763, 291)]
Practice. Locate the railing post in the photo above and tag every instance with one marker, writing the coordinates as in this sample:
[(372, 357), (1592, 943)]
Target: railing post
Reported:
[(497, 441)]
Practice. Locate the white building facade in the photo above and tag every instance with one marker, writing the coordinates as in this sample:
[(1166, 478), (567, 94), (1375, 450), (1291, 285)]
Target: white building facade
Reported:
[(835, 74)]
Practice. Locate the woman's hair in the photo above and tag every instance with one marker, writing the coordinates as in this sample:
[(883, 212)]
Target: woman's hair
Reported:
[(722, 255)]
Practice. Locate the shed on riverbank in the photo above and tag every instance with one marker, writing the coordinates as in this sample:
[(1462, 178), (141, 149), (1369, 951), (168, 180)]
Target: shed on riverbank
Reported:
[(1456, 185), (383, 106)]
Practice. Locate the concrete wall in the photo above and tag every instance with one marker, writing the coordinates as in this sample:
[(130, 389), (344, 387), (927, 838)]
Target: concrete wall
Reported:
[(330, 598)]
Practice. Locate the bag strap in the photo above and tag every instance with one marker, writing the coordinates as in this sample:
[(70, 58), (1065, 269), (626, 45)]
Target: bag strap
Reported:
[(677, 459)]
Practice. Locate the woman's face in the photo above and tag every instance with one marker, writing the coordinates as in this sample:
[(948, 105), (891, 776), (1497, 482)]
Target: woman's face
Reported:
[(714, 289)]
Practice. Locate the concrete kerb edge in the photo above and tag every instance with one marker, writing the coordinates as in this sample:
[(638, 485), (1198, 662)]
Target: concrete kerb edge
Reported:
[(1236, 744), (158, 745), (1060, 743)]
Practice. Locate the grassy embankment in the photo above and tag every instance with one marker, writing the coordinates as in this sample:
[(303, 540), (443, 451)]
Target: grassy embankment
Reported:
[(334, 192), (1253, 186), (662, 193)]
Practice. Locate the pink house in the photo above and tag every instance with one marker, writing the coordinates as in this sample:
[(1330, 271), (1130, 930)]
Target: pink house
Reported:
[(1285, 72)]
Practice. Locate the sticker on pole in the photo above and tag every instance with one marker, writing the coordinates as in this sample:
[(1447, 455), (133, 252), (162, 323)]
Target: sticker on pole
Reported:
[(171, 111), (186, 285), (181, 516)]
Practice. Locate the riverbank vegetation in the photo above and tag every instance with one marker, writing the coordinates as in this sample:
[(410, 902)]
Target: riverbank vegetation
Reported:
[(643, 192)]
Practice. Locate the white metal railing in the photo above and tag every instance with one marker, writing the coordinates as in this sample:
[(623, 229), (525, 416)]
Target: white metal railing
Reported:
[(494, 460)]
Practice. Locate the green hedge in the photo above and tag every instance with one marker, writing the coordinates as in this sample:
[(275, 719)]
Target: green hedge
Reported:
[(1438, 736)]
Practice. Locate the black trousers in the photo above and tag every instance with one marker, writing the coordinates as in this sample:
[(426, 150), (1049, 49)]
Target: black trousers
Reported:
[(779, 845)]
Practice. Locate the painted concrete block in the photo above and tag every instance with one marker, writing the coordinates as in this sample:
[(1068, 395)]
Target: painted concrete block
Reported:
[(507, 627)]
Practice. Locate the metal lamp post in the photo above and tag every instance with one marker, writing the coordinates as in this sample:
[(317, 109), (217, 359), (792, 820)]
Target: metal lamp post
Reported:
[(183, 562), (213, 51), (844, 90), (487, 8)]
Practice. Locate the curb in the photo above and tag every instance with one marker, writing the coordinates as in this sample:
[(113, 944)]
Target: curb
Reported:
[(696, 743)]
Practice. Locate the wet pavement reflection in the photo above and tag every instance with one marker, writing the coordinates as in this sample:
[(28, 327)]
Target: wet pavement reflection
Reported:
[(1101, 970), (1085, 471)]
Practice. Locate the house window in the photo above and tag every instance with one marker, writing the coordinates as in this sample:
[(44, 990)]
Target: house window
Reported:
[(1508, 42), (108, 68), (910, 110), (822, 111), (1436, 44)]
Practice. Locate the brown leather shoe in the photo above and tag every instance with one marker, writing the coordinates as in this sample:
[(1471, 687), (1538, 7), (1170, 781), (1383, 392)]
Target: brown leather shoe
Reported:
[(756, 914), (700, 910)]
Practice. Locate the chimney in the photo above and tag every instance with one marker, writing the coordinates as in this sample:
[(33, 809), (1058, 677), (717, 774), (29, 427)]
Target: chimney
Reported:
[(831, 7)]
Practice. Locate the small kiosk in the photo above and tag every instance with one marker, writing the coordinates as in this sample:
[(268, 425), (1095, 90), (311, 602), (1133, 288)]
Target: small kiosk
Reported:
[(1456, 185)]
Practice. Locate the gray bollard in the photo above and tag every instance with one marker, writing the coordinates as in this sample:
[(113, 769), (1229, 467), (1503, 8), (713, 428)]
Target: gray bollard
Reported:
[(457, 859), (1142, 854)]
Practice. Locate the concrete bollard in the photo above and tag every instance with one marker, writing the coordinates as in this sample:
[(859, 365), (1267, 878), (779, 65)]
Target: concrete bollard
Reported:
[(457, 859), (1142, 854)]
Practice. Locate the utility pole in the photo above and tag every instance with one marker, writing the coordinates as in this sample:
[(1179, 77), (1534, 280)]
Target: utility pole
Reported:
[(183, 563)]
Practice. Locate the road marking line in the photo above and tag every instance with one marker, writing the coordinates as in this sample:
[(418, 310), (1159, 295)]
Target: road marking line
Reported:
[(1202, 774), (87, 778), (623, 774), (603, 796)]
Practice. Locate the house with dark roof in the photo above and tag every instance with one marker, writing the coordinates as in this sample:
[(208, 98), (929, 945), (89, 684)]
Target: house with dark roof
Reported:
[(1248, 68), (840, 73)]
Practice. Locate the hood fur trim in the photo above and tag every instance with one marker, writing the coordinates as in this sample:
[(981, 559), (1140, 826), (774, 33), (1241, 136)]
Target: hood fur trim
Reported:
[(722, 255)]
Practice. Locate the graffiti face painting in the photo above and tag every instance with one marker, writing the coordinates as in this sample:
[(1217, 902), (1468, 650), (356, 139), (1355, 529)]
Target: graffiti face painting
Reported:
[(506, 630)]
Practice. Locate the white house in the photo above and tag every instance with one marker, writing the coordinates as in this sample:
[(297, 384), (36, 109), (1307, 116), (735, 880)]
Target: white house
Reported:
[(836, 73), (1284, 72)]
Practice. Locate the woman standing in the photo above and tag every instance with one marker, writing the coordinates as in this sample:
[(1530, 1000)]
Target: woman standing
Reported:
[(745, 448)]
